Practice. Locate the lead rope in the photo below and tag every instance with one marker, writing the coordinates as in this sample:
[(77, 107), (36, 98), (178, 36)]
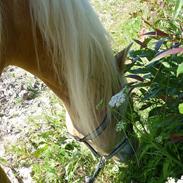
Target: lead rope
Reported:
[(103, 159), (100, 165)]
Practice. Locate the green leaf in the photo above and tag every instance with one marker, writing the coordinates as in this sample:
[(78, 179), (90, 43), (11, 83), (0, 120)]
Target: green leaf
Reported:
[(100, 105), (178, 8), (3, 161), (181, 108), (40, 151), (180, 69), (166, 64), (166, 166)]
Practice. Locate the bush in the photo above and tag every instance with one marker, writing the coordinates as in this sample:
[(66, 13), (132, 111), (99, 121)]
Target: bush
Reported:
[(156, 110)]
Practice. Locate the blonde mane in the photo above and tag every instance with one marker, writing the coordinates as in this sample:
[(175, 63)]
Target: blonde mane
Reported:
[(79, 46), (0, 27)]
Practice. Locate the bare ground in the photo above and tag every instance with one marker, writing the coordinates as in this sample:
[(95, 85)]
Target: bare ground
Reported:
[(22, 96)]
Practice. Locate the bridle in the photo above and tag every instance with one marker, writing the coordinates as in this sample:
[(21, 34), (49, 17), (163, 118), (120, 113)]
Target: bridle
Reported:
[(105, 122), (103, 125), (96, 133), (102, 158)]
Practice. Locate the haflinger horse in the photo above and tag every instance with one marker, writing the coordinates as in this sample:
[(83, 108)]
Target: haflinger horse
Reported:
[(63, 43)]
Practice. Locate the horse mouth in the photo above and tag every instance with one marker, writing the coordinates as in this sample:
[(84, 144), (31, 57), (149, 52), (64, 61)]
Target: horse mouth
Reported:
[(128, 151)]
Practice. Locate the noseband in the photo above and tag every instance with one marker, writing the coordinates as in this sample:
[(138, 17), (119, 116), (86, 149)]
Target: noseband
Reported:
[(115, 101), (97, 132), (102, 158)]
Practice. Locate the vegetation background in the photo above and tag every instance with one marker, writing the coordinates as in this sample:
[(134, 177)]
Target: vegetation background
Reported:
[(155, 70)]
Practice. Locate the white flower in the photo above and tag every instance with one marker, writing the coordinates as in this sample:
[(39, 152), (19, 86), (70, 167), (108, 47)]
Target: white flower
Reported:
[(118, 99), (170, 180), (180, 180)]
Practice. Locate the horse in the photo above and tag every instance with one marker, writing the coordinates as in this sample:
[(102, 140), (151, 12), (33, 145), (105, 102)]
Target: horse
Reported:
[(63, 43)]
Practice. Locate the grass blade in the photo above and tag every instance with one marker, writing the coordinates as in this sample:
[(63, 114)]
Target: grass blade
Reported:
[(178, 8)]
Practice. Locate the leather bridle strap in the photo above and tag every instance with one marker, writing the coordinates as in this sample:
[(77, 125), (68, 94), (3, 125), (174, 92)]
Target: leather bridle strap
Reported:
[(102, 158), (95, 133), (117, 148)]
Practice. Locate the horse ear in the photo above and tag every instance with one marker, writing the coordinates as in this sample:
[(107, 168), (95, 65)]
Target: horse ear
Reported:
[(121, 58)]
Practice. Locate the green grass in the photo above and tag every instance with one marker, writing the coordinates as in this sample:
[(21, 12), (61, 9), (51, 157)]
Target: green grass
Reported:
[(116, 17)]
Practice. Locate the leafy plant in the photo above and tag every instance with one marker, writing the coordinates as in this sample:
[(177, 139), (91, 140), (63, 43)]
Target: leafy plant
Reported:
[(157, 103)]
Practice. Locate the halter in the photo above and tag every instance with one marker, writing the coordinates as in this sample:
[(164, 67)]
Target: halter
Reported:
[(102, 158), (116, 101)]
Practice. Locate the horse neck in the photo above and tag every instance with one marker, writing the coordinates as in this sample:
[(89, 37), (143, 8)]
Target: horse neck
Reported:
[(65, 45), (79, 47)]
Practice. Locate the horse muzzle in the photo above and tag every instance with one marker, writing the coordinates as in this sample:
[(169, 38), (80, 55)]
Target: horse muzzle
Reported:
[(128, 150)]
